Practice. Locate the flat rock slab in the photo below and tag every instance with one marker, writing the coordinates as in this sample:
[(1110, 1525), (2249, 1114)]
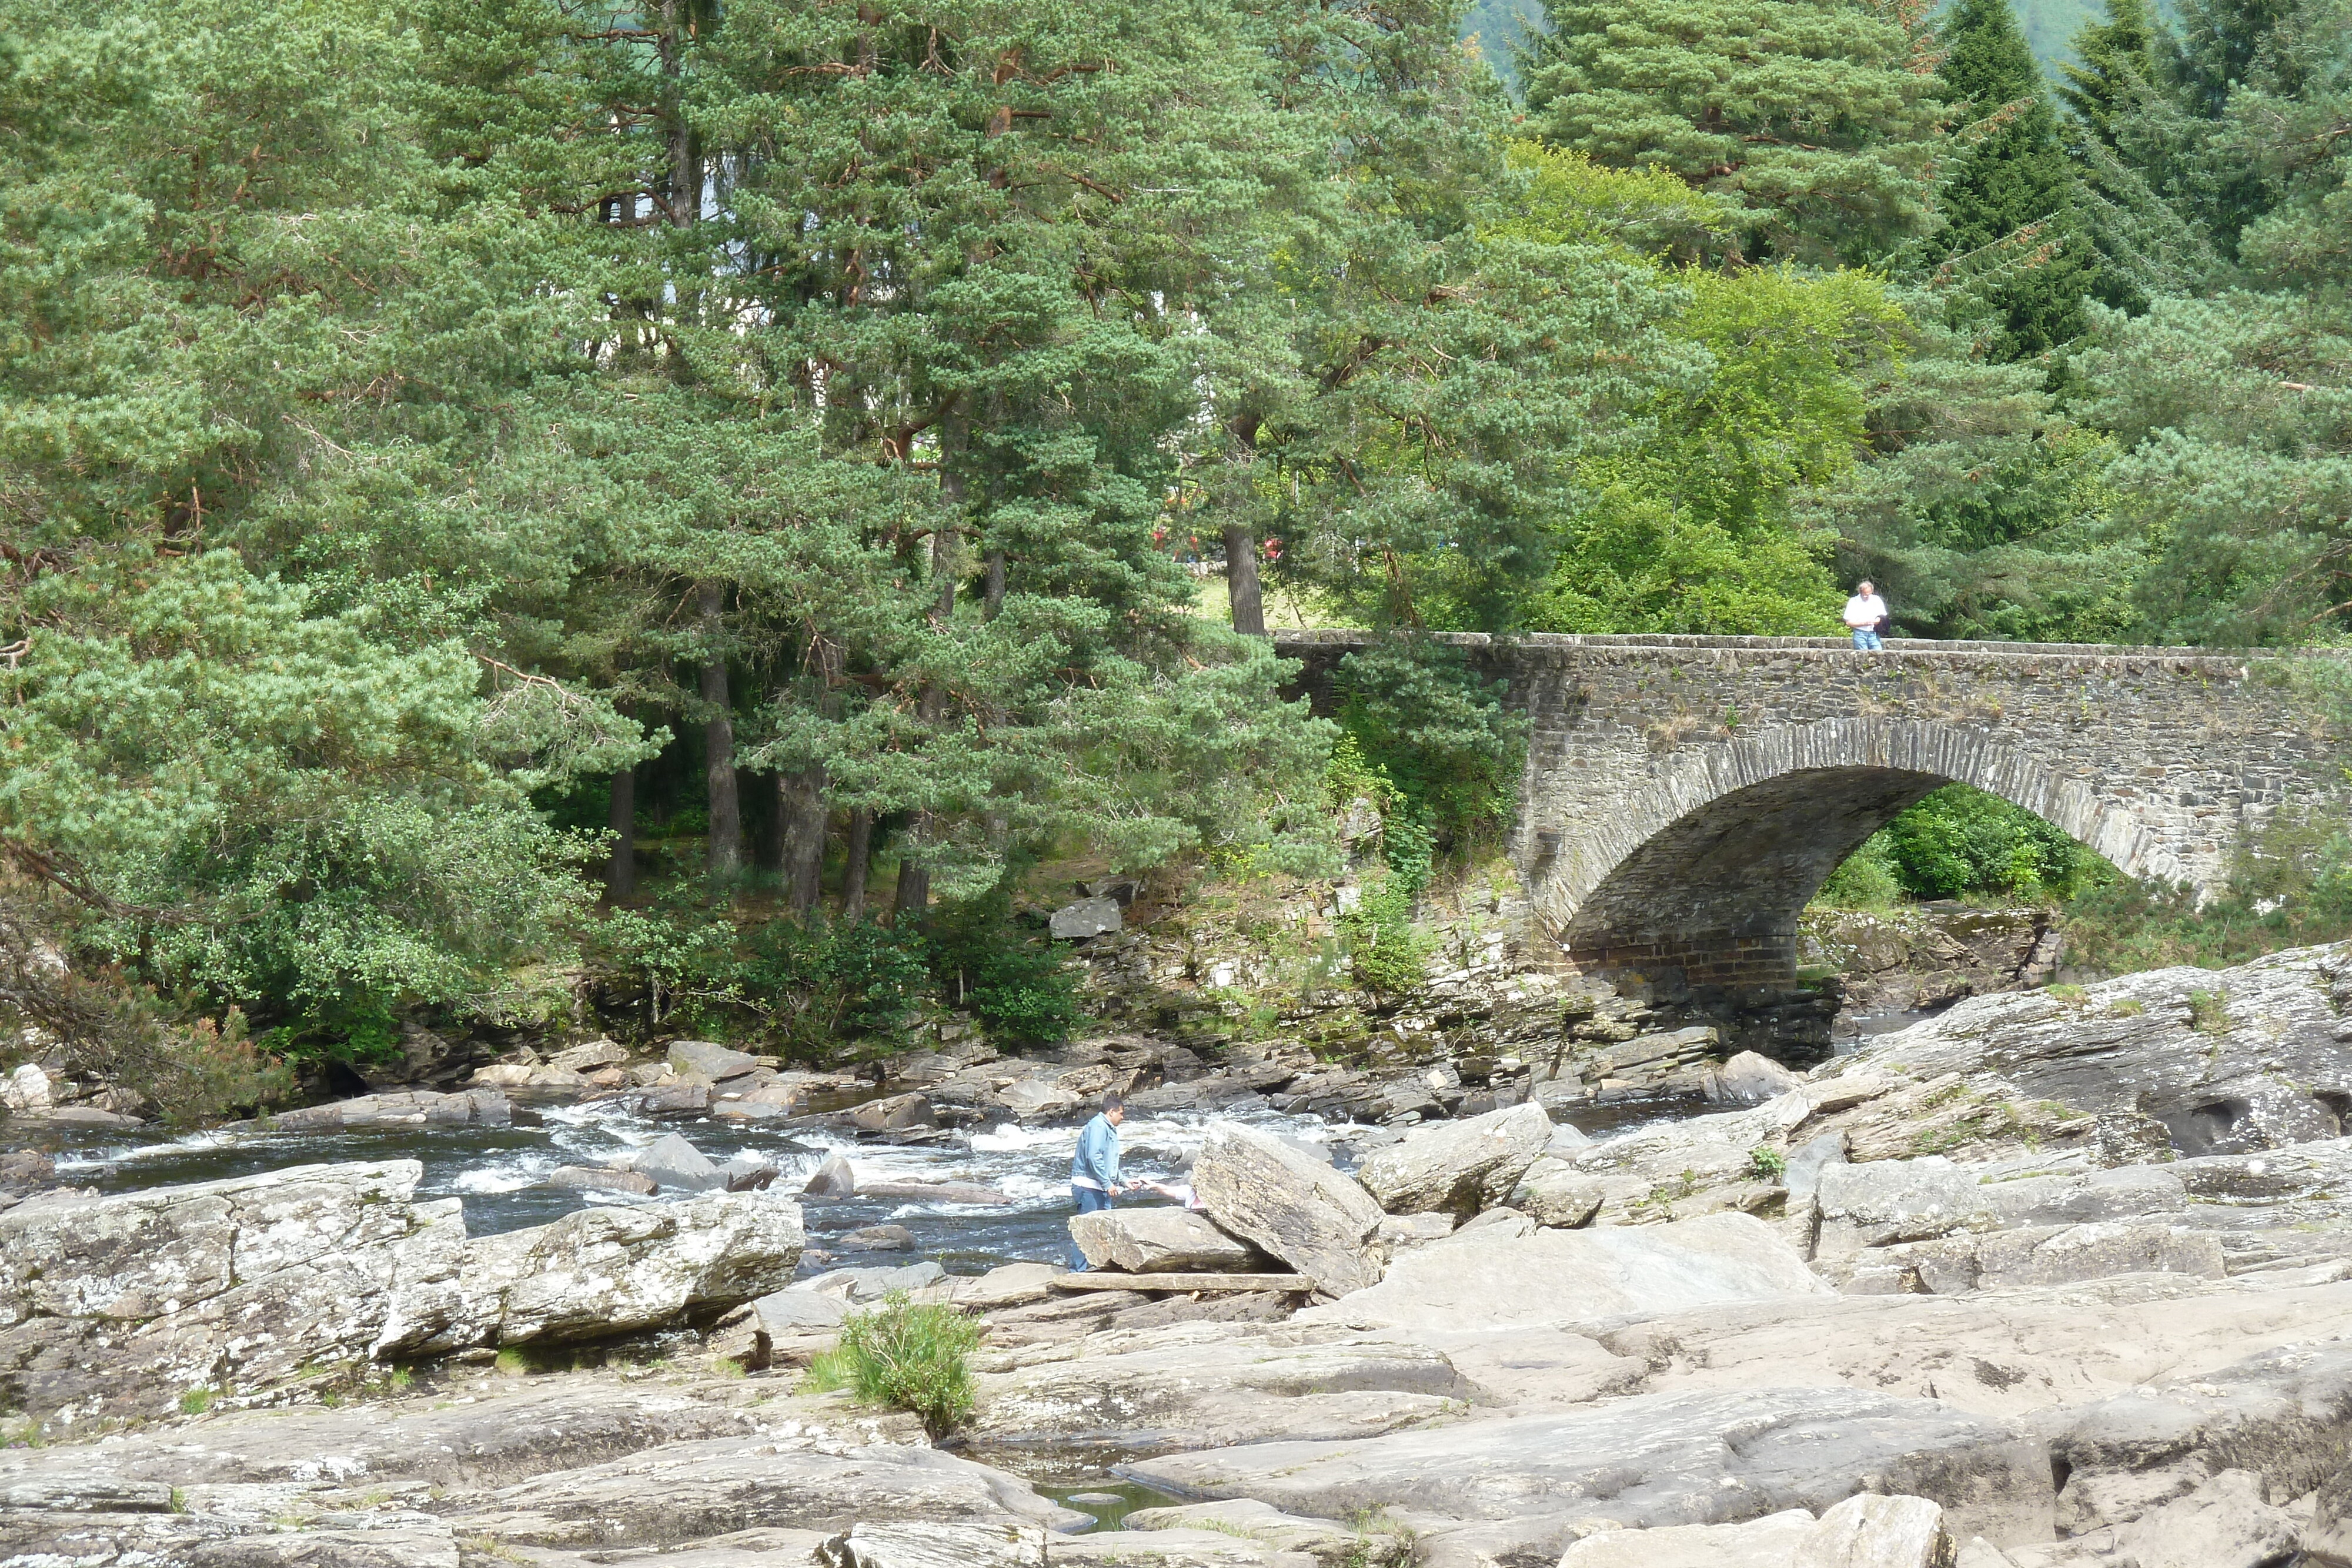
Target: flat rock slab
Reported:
[(686, 1491), (936, 1546), (1199, 1385), (1160, 1240), (1499, 1275), (1710, 1458), (1093, 1280), (1173, 1549)]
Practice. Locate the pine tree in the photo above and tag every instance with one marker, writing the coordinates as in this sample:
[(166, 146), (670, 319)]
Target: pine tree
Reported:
[(2011, 231), (1813, 113), (2114, 65)]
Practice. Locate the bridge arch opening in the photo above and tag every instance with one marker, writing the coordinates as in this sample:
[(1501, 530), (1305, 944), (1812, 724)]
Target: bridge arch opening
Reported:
[(1701, 875)]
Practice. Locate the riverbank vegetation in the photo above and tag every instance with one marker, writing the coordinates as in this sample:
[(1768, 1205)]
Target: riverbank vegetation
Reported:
[(508, 504)]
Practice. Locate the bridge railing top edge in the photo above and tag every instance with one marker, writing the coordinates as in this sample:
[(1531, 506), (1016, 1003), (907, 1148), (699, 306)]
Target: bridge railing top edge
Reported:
[(1895, 646)]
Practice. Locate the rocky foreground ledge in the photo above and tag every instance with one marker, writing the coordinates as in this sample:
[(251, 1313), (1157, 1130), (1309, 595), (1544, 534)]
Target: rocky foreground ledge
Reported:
[(2058, 1278)]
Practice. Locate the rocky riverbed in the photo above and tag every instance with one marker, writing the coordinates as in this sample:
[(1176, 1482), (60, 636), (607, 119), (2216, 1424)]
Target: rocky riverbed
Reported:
[(2056, 1277)]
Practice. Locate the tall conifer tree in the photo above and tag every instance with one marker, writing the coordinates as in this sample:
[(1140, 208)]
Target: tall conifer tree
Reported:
[(1815, 114), (2008, 199)]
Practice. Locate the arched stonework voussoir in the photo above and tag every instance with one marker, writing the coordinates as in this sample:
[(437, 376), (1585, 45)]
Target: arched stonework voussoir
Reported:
[(1704, 868)]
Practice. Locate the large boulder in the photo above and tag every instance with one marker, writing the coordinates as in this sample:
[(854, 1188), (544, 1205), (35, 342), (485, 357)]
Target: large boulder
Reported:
[(1160, 1241), (1514, 1275), (1458, 1167), (672, 1162), (2230, 1061), (123, 1304), (596, 1274), (1296, 1209), (120, 1305), (708, 1060)]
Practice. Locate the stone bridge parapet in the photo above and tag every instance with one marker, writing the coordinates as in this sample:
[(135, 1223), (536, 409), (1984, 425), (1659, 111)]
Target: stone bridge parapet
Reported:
[(1685, 796)]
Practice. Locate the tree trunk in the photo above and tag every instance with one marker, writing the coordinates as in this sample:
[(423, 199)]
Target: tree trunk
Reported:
[(621, 870), (1241, 581), (800, 825), (857, 852), (992, 598), (911, 899), (725, 841), (771, 846)]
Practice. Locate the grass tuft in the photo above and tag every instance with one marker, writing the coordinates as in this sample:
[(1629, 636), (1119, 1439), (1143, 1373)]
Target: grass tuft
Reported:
[(907, 1357)]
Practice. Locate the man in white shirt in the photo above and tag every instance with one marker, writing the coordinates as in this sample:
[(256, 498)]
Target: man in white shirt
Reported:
[(1864, 611)]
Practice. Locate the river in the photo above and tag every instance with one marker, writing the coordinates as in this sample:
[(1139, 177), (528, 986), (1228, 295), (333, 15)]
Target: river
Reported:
[(500, 1172)]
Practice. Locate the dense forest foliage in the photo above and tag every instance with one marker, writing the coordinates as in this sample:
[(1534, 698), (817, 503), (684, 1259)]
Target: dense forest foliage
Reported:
[(450, 453)]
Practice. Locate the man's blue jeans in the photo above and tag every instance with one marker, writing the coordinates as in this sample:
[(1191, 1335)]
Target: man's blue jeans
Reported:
[(1865, 639), (1089, 1199)]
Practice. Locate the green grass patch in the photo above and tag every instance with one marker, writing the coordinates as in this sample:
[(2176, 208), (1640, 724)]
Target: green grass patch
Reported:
[(196, 1401), (910, 1357)]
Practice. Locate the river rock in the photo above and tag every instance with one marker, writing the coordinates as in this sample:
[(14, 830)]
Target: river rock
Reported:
[(2230, 1060), (1554, 1192), (674, 1099), (119, 1305), (1750, 1079), (544, 1082), (1035, 1100), (833, 1179), (939, 1192), (1496, 1277), (1868, 1530), (1160, 1240), (1646, 1462), (1295, 1208), (596, 1178), (591, 1057), (1888, 1201), (593, 1273), (1458, 1167), (873, 1284), (894, 1112), (1206, 1385), (672, 1162), (485, 1107), (26, 1090), (876, 1238), (708, 1060), (1767, 1543), (784, 1314), (1402, 1230)]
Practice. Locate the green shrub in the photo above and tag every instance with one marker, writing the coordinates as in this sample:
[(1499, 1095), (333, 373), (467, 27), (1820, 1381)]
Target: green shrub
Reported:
[(801, 988), (1017, 984), (905, 1356), (1387, 956), (1865, 879), (1960, 841), (1438, 733)]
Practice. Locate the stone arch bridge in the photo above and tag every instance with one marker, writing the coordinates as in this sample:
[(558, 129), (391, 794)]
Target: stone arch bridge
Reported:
[(1685, 797)]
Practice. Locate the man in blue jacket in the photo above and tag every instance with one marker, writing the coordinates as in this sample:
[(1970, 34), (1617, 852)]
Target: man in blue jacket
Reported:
[(1093, 1171)]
